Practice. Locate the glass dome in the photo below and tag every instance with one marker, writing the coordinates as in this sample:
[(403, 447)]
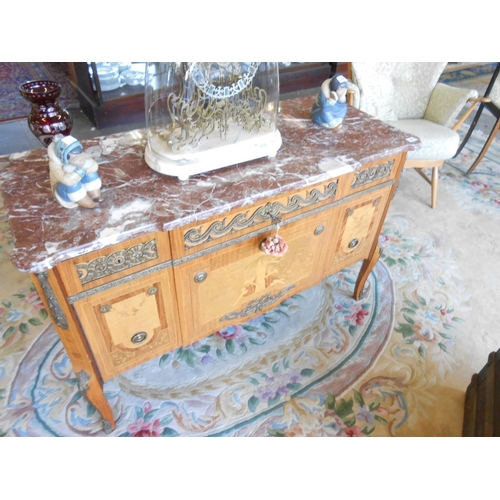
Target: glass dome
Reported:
[(201, 116)]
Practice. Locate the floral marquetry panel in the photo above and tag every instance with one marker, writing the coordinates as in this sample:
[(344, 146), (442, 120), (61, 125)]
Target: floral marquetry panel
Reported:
[(242, 281), (130, 324), (358, 223)]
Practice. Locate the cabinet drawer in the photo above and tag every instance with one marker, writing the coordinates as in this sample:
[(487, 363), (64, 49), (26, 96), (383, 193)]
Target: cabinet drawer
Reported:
[(219, 230), (357, 228), (240, 282), (131, 323), (375, 173), (114, 262)]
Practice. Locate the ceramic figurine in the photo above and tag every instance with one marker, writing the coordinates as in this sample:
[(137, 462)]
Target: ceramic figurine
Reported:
[(330, 106), (73, 173)]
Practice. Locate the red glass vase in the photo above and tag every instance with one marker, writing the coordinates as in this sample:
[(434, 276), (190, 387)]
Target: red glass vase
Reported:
[(47, 117)]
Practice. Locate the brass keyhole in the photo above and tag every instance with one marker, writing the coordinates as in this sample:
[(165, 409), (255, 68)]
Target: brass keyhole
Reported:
[(139, 338), (353, 243)]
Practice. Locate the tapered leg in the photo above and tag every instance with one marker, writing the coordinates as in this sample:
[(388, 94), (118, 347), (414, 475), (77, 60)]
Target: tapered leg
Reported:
[(92, 389), (366, 269), (89, 380)]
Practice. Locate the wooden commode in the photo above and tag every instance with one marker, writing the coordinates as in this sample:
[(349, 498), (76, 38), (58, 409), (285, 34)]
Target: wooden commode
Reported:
[(162, 263)]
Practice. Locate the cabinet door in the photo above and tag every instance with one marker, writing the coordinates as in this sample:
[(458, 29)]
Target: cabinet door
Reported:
[(131, 323), (358, 228), (234, 284)]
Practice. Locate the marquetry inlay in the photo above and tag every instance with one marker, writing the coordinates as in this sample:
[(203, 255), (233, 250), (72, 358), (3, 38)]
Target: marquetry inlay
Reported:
[(256, 305), (116, 262), (120, 354)]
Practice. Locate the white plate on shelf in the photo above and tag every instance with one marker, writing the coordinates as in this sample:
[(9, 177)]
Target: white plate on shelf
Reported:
[(131, 77)]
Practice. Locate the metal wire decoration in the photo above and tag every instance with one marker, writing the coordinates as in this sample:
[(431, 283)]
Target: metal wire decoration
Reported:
[(214, 96)]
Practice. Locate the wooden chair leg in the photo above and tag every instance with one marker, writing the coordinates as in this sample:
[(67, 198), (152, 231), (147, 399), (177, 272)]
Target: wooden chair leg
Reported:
[(433, 181), (485, 147), (434, 187)]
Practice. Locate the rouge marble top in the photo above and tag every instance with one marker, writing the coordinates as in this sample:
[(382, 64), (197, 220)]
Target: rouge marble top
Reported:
[(137, 200)]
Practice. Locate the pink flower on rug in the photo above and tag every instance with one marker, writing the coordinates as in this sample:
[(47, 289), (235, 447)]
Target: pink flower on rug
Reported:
[(479, 186), (141, 428), (446, 317), (357, 316), (354, 432), (383, 238), (33, 299), (230, 332)]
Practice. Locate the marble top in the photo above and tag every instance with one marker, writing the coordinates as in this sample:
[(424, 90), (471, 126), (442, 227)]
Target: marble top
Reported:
[(137, 200)]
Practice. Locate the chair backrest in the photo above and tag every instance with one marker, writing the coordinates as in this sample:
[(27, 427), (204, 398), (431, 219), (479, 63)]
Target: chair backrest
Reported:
[(393, 91)]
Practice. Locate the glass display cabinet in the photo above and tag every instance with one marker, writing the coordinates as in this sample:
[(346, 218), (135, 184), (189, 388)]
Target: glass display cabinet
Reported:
[(112, 94)]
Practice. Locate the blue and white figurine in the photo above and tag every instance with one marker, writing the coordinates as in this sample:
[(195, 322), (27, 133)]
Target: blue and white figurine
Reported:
[(73, 173), (330, 106)]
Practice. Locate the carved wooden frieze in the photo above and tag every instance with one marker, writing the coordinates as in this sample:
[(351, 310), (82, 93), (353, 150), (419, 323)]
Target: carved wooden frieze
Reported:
[(116, 262), (270, 212), (372, 174)]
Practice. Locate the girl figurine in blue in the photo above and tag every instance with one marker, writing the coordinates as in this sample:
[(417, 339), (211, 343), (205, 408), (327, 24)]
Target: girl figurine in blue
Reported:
[(73, 173), (330, 106)]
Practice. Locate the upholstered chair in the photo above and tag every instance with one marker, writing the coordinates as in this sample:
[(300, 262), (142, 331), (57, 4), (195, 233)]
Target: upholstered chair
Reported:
[(409, 97)]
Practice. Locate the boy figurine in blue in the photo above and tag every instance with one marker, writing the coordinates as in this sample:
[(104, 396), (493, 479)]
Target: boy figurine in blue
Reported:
[(73, 173), (330, 107)]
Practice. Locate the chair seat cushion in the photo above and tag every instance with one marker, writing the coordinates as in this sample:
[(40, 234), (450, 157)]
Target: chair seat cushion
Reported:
[(438, 142)]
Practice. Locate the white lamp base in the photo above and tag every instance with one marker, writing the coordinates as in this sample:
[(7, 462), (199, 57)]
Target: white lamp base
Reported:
[(226, 154)]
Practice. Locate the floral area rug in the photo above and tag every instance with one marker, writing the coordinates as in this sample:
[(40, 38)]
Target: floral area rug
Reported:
[(321, 364), (13, 74), (478, 192), (456, 72)]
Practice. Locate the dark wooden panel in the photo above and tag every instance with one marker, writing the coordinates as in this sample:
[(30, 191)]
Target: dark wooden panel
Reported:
[(482, 401)]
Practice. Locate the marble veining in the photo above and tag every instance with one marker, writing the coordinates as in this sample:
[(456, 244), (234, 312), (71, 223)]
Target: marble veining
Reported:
[(137, 200)]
